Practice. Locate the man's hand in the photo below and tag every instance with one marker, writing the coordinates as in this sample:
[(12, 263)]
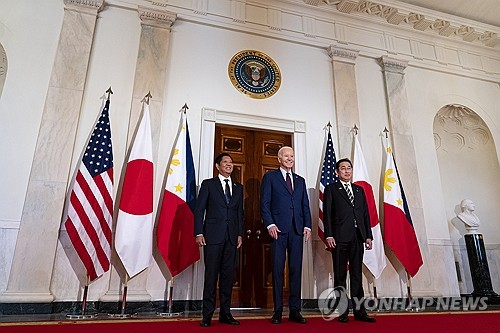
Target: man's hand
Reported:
[(273, 232), (307, 233), (240, 242), (368, 244), (200, 240), (330, 241)]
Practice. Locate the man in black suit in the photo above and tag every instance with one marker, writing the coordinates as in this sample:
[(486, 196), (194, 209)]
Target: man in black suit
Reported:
[(218, 226), (347, 231), (285, 211)]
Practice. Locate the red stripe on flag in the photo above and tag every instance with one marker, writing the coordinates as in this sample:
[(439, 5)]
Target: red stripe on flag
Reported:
[(80, 249), (85, 221), (108, 202), (175, 234), (400, 236)]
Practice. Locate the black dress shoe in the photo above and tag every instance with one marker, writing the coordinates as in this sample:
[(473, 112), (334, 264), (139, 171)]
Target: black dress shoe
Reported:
[(365, 317), (297, 317), (277, 316), (228, 319), (343, 318), (206, 322)]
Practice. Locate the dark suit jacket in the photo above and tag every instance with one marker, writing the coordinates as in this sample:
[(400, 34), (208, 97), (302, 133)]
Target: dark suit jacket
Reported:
[(339, 213), (213, 217), (280, 207)]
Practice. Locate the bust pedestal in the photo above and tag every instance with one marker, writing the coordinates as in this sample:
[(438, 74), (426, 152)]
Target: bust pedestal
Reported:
[(478, 263)]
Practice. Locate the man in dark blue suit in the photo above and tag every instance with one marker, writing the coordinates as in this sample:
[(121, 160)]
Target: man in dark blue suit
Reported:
[(285, 211), (218, 226)]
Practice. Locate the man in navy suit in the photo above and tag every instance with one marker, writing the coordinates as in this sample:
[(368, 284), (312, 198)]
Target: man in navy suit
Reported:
[(347, 231), (218, 226), (285, 211)]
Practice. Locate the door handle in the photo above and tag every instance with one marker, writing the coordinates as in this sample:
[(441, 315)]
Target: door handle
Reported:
[(248, 233), (258, 234)]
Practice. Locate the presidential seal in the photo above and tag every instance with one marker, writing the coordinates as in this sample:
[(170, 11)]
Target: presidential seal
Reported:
[(254, 73)]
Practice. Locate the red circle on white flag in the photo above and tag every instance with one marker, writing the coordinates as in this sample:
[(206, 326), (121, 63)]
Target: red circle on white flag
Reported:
[(137, 190)]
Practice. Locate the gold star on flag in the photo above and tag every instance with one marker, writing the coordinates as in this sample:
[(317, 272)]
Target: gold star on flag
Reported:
[(400, 202), (178, 188), (388, 179), (388, 150)]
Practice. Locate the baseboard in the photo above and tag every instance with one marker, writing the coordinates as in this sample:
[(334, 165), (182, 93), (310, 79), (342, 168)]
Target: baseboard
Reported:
[(96, 307)]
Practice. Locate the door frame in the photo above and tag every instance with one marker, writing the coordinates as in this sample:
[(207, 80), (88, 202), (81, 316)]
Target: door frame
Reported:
[(211, 116)]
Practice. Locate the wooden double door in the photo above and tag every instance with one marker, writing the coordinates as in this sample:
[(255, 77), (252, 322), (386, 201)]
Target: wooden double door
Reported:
[(254, 153)]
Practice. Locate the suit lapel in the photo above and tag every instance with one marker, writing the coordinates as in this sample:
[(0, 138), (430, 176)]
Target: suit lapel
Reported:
[(356, 192), (218, 186), (340, 188), (296, 182), (281, 179)]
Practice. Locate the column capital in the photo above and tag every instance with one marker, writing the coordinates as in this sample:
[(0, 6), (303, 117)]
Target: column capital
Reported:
[(342, 54), (157, 18), (392, 65), (84, 6)]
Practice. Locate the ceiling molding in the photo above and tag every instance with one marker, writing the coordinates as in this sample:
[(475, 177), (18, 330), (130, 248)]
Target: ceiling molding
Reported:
[(416, 19)]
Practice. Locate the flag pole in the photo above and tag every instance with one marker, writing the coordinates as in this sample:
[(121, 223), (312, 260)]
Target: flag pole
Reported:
[(184, 108), (85, 292), (124, 299), (375, 295), (170, 296), (170, 303), (122, 313), (109, 92), (147, 97), (84, 303), (410, 306)]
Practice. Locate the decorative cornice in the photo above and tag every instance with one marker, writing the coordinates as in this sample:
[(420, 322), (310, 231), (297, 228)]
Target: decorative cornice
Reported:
[(157, 18), (159, 3), (313, 2), (416, 20), (342, 54), (392, 65), (84, 6)]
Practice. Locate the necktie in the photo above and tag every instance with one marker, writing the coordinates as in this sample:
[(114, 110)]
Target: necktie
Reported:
[(349, 193), (289, 182), (227, 191)]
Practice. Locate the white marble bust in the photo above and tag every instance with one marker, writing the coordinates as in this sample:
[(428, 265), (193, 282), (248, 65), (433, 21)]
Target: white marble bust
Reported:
[(468, 217)]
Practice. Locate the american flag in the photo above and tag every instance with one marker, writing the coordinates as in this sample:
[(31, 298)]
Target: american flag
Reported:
[(90, 208), (328, 176)]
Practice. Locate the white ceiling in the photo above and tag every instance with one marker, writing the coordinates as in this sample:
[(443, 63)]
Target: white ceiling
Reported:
[(484, 11)]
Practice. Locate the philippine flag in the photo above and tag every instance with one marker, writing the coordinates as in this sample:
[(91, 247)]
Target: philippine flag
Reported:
[(399, 233), (175, 231)]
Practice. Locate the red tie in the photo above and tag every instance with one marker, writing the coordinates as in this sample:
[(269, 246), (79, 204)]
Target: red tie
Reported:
[(289, 182)]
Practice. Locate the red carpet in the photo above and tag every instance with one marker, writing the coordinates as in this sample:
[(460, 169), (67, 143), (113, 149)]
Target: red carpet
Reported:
[(477, 322)]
